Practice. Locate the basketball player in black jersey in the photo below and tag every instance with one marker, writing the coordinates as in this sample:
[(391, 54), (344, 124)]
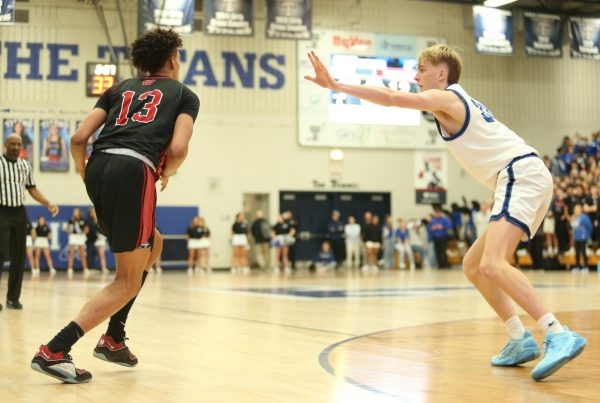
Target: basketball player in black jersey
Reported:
[(148, 122)]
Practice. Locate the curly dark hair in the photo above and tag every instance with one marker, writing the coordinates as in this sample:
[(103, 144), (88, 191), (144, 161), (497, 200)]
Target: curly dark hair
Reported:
[(150, 52)]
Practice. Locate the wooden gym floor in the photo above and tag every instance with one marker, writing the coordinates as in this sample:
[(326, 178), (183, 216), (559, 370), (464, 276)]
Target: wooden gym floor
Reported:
[(425, 336)]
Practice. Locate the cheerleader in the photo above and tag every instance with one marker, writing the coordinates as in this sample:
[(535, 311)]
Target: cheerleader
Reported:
[(204, 247), (76, 228), (29, 247), (239, 244), (280, 235), (402, 242), (100, 242), (197, 245), (42, 244)]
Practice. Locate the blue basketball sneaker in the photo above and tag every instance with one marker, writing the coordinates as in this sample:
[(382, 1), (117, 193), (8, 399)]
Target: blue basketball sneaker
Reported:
[(517, 352), (560, 349)]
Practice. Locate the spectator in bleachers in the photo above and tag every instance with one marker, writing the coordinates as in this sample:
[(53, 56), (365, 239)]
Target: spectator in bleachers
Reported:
[(387, 235), (291, 240), (352, 232), (325, 259), (548, 229), (367, 218), (582, 231), (456, 220), (561, 220), (551, 165), (481, 218), (373, 241), (439, 227), (403, 245), (335, 234), (419, 241), (261, 232), (536, 249), (592, 209)]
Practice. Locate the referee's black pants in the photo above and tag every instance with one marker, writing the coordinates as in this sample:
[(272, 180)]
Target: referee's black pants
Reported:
[(13, 235)]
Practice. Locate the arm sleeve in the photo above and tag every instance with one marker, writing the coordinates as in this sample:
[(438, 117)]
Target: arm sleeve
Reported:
[(190, 103), (104, 101)]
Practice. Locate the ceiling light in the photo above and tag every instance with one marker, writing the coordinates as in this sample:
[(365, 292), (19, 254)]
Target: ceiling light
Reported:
[(497, 3), (336, 154)]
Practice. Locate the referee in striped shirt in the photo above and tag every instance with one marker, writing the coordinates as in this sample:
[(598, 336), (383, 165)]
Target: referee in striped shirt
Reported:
[(15, 176)]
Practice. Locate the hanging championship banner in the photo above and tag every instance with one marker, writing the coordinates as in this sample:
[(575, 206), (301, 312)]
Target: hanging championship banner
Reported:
[(584, 38), (7, 11), (176, 14), (543, 34), (431, 177), (228, 17), (493, 30), (289, 19)]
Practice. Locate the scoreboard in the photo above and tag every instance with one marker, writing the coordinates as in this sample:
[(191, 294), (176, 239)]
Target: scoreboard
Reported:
[(99, 77)]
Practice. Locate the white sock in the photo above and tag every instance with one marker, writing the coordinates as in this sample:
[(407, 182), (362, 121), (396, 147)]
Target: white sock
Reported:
[(515, 328), (549, 324)]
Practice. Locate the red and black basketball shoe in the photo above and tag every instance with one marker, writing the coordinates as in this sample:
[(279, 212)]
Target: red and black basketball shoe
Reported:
[(59, 365), (117, 353)]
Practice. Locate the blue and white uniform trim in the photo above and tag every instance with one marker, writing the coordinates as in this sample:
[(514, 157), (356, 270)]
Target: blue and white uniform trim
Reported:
[(462, 130), (505, 212)]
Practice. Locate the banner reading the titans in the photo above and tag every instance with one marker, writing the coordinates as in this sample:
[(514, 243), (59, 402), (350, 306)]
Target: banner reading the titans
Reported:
[(176, 14), (543, 34), (493, 31), (584, 38), (289, 19), (7, 11), (228, 17)]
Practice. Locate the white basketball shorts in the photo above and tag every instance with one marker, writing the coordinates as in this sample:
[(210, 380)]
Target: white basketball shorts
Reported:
[(523, 193)]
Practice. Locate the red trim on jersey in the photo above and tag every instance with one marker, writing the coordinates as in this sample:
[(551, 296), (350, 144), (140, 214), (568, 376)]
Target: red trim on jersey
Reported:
[(148, 207)]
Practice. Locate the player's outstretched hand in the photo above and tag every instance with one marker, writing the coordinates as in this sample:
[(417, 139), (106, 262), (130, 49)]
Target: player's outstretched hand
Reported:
[(164, 181), (322, 76)]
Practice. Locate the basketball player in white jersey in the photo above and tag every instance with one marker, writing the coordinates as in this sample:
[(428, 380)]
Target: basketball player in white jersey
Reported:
[(504, 163)]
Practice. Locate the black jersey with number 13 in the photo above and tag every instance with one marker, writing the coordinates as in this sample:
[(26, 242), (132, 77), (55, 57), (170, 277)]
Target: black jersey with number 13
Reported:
[(141, 114)]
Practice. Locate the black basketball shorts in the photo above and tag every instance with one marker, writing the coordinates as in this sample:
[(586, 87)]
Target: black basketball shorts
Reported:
[(123, 191)]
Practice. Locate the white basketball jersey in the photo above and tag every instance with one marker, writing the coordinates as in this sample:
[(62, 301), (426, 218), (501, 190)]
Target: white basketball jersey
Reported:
[(483, 146)]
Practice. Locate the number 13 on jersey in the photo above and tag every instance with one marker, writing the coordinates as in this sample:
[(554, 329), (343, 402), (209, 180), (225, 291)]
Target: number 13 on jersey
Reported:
[(150, 108)]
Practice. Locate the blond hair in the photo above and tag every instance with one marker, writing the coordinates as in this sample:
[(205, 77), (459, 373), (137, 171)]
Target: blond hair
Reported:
[(444, 54)]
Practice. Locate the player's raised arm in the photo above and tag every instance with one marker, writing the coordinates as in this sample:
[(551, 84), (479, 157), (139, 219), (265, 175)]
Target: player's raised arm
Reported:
[(431, 100)]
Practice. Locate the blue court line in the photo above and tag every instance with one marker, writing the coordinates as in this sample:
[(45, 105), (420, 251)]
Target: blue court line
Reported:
[(326, 365), (339, 293), (324, 362)]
